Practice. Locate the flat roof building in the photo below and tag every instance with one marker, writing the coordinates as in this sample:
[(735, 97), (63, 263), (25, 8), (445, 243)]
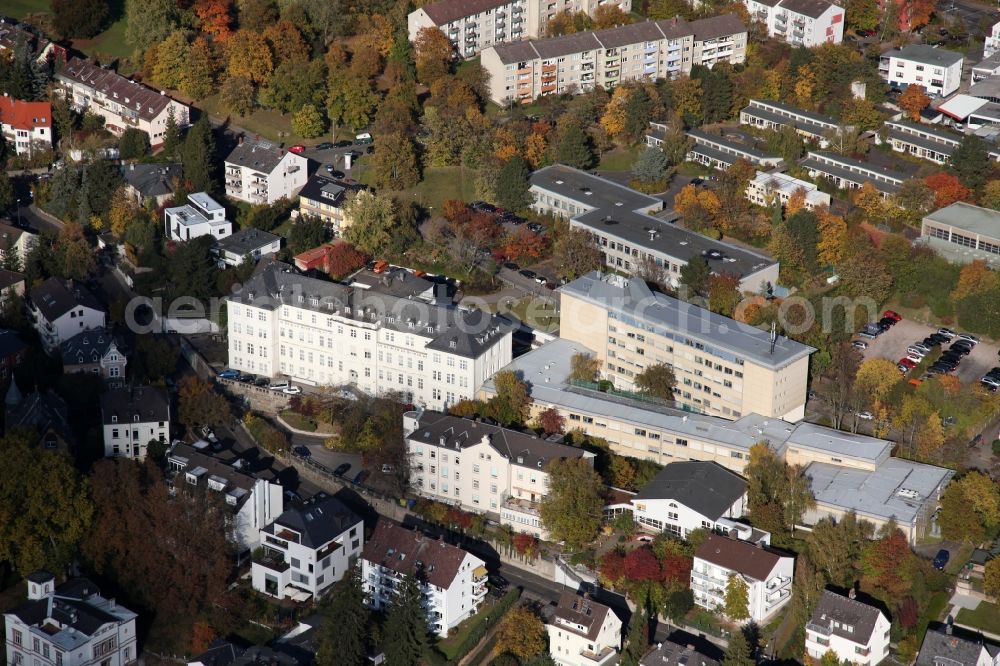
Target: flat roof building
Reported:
[(772, 115), (937, 71), (720, 152), (963, 233), (848, 173), (767, 188)]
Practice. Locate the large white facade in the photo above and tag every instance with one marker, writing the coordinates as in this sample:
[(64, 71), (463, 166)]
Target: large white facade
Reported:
[(61, 310), (805, 23), (938, 71), (690, 495), (583, 632), (201, 216), (69, 625), (307, 549), (992, 43), (482, 468), (132, 418), (856, 632), (26, 126), (328, 334), (261, 173), (453, 580)]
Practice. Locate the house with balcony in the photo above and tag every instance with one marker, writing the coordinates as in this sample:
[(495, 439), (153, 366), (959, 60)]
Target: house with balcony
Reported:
[(258, 172), (97, 351), (805, 23), (452, 580), (69, 625), (200, 216), (689, 495), (482, 468), (766, 572), (61, 309), (121, 102), (153, 182), (938, 71), (26, 126), (324, 197), (133, 417), (583, 632), (252, 503), (854, 631), (307, 549)]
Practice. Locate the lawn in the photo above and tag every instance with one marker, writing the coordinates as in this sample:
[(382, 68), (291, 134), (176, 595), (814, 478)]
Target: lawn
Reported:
[(298, 421), (438, 184), (111, 42), (534, 312), (20, 8), (986, 617), (484, 617), (619, 159), (269, 124), (959, 559)]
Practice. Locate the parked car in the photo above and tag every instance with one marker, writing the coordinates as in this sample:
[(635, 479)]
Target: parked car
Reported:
[(333, 172), (947, 332), (889, 314), (326, 145), (343, 143), (540, 279), (483, 207), (865, 416), (537, 228), (528, 274), (930, 342), (292, 390), (246, 379), (229, 374), (206, 432), (262, 382), (361, 476), (859, 344), (511, 266), (388, 469), (968, 337), (341, 469), (916, 351), (869, 333), (298, 149), (920, 345), (279, 386), (344, 394), (940, 339), (941, 559), (909, 363), (302, 451)]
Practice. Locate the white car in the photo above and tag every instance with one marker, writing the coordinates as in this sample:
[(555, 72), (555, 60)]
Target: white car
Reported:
[(916, 351), (344, 394), (947, 332), (914, 358), (921, 346), (865, 416), (291, 390), (859, 344), (990, 380), (280, 386), (968, 337)]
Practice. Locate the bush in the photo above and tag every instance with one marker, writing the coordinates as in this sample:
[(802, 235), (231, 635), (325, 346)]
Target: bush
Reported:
[(996, 447), (266, 435)]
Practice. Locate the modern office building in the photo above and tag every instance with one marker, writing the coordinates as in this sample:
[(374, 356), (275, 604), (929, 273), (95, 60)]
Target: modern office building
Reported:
[(330, 334), (771, 115), (963, 233), (723, 367), (938, 71), (622, 223), (650, 50), (848, 173), (767, 189), (805, 23), (483, 468)]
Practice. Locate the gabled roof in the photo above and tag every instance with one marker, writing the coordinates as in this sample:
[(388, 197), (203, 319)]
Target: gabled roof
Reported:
[(258, 155), (54, 298), (78, 611), (754, 561), (836, 613), (219, 653), (144, 101), (39, 411), (330, 191), (141, 404), (152, 180), (88, 347), (582, 611), (717, 26), (450, 10), (811, 8), (925, 54), (10, 278), (954, 647), (408, 552), (669, 653), (24, 115), (319, 521), (705, 487)]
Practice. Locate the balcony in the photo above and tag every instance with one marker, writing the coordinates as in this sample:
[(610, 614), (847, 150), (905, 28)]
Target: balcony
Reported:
[(597, 657), (271, 559)]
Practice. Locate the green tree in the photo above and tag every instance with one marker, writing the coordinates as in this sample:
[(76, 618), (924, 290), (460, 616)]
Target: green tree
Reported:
[(778, 494), (199, 70), (638, 639), (512, 185), (584, 367), (863, 14), (198, 156), (342, 641), (7, 196), (738, 653), (511, 403), (737, 599), (576, 253), (375, 228), (405, 634), (717, 93), (308, 122), (171, 54), (695, 275), (133, 144), (395, 165), (171, 135), (971, 162), (835, 547), (521, 633), (651, 165), (307, 233), (79, 18), (199, 405), (350, 101), (238, 95), (572, 509), (149, 22), (657, 380), (573, 147), (991, 578)]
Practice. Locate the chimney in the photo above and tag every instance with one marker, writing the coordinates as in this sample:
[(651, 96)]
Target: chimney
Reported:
[(131, 167), (948, 628), (240, 141), (851, 593)]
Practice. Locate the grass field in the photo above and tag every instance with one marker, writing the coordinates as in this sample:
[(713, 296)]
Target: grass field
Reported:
[(111, 42), (619, 159), (438, 184), (985, 617), (269, 124), (20, 8)]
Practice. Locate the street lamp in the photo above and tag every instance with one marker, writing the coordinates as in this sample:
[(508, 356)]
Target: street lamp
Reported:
[(19, 212)]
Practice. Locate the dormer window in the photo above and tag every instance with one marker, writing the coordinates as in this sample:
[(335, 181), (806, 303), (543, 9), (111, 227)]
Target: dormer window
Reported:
[(114, 418), (135, 419)]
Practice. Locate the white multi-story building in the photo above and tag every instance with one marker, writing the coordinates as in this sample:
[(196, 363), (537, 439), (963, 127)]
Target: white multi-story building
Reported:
[(766, 573), (474, 26), (258, 172), (69, 625), (650, 50), (482, 468), (200, 216), (452, 580), (767, 188), (253, 502), (992, 43), (854, 631), (16, 242), (623, 225), (122, 103), (62, 309), (308, 549), (132, 418), (690, 495), (805, 23), (583, 632), (938, 71), (330, 334), (246, 244), (27, 126)]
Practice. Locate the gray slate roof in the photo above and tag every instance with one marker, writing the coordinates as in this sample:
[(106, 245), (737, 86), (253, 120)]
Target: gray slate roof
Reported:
[(810, 8), (833, 611), (956, 648), (582, 611), (145, 101), (152, 180), (319, 521), (706, 487), (717, 26), (54, 298), (88, 346), (669, 653), (255, 154), (245, 241), (149, 403), (450, 10), (925, 54), (219, 653)]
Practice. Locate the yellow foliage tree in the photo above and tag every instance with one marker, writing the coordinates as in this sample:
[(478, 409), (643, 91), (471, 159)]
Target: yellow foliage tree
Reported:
[(687, 93), (975, 278), (876, 377), (796, 202), (121, 212), (691, 196), (805, 85), (535, 149), (614, 118), (504, 144), (832, 242), (871, 203), (930, 436), (249, 56)]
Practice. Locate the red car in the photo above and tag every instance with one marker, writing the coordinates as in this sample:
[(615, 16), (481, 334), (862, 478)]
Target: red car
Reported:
[(909, 363), (297, 148), (889, 314)]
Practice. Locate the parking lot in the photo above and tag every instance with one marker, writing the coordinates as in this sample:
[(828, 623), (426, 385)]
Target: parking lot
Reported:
[(893, 343)]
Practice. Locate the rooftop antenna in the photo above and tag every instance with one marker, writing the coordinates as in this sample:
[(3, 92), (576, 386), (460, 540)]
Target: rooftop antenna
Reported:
[(774, 335)]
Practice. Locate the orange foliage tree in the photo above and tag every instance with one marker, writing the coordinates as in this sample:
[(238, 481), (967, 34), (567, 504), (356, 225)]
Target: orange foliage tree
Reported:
[(913, 100), (947, 189)]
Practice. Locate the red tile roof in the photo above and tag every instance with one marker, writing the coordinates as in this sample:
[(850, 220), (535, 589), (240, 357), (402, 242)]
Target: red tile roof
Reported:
[(406, 551), (25, 115)]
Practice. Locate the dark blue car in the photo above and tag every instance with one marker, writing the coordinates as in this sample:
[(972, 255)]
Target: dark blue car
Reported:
[(941, 559)]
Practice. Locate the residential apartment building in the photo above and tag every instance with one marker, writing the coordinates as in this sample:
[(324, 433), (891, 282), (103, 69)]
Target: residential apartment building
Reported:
[(723, 367), (60, 310), (69, 625), (307, 549), (258, 172), (482, 468), (132, 418), (153, 182), (963, 233), (453, 581), (246, 245), (848, 173), (622, 223), (26, 126), (14, 32), (766, 189), (690, 495), (252, 503), (96, 351), (121, 102), (854, 631), (583, 632), (992, 43), (806, 23), (16, 243), (924, 141), (719, 152), (938, 71), (650, 50), (324, 197), (474, 26), (986, 68), (328, 334), (767, 574), (200, 216), (770, 115), (948, 645)]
